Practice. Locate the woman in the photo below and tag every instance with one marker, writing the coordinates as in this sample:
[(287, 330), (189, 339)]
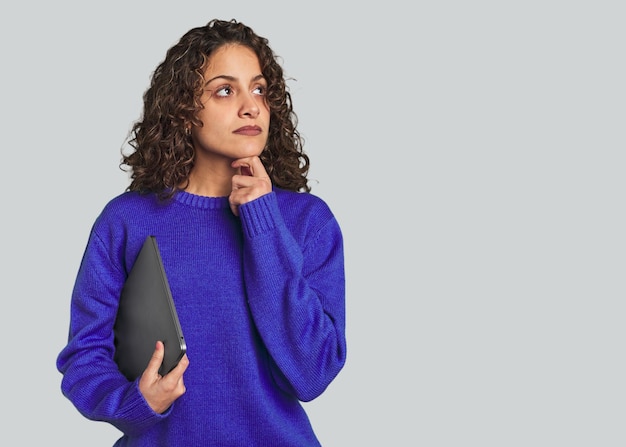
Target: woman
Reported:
[(254, 260)]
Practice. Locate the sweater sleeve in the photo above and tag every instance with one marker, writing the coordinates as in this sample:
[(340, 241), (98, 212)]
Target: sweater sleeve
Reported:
[(296, 294), (91, 379)]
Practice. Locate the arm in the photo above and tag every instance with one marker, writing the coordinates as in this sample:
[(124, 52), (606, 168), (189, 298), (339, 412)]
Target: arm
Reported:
[(296, 294), (91, 379)]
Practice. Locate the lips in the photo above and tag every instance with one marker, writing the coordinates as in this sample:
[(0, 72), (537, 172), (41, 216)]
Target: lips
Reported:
[(250, 131)]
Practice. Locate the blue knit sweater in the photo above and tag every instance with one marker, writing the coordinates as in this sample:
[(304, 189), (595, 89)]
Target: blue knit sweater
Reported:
[(261, 301)]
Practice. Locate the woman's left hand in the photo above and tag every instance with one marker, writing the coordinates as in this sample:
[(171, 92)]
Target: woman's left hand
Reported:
[(251, 183)]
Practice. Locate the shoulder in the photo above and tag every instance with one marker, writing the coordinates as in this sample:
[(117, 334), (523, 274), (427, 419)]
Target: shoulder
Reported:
[(306, 214), (301, 201), (131, 205), (129, 200), (124, 211)]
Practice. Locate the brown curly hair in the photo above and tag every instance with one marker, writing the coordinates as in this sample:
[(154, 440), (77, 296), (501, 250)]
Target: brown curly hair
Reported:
[(163, 153)]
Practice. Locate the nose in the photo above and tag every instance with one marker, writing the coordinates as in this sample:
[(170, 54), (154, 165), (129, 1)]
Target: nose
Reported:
[(249, 106)]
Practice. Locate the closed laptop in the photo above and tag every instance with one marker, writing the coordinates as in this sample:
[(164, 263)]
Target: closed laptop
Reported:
[(147, 314)]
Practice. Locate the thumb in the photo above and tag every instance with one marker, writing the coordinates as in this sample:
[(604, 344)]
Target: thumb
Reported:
[(155, 361)]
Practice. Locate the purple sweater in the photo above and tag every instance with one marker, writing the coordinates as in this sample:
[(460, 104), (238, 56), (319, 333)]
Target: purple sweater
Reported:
[(261, 301)]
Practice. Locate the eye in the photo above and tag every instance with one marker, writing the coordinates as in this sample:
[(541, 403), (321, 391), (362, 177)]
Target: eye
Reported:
[(224, 91), (259, 90)]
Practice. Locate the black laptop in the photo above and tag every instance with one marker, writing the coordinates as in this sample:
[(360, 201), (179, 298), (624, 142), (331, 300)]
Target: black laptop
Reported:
[(147, 314)]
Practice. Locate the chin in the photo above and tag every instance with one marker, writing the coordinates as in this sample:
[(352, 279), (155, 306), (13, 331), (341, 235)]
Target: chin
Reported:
[(252, 152)]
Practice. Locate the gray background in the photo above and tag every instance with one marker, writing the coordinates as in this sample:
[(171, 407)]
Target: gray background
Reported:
[(473, 153)]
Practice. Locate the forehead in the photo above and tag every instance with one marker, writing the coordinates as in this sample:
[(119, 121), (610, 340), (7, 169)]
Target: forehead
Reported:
[(231, 59)]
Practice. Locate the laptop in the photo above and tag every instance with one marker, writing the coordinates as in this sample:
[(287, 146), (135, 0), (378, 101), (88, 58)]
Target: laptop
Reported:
[(145, 315)]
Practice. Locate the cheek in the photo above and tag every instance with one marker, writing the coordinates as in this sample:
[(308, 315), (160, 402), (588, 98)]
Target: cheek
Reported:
[(265, 111), (212, 124), (206, 136)]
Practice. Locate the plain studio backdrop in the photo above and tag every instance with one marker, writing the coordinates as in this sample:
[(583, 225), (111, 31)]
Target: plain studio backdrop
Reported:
[(473, 153)]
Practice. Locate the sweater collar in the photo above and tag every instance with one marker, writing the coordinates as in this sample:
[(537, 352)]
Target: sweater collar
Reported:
[(202, 202)]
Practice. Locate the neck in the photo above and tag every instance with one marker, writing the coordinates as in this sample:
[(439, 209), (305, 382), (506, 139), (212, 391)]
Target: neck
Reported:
[(211, 182)]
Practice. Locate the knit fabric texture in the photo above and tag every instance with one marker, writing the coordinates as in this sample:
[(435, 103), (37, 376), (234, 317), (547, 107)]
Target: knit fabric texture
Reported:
[(261, 302)]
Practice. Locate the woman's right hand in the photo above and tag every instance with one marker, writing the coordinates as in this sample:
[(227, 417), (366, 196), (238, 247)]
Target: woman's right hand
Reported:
[(161, 391)]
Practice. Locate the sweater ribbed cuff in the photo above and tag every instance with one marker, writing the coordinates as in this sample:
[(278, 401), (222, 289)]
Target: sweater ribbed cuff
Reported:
[(260, 215)]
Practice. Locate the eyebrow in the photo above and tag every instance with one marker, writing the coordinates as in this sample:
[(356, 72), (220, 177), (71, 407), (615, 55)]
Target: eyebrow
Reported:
[(232, 78)]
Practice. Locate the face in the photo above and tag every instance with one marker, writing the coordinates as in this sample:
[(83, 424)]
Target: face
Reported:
[(235, 116)]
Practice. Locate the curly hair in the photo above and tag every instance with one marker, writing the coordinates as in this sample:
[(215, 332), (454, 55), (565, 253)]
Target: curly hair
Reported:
[(163, 153)]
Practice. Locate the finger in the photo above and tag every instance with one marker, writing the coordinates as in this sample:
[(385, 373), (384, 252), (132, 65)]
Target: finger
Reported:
[(155, 361), (242, 181), (251, 166), (244, 166), (181, 367), (234, 208)]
